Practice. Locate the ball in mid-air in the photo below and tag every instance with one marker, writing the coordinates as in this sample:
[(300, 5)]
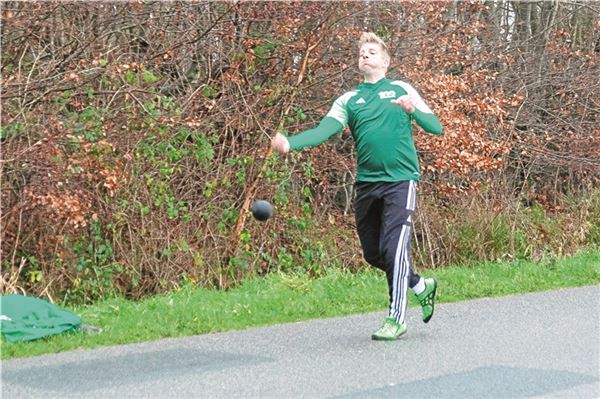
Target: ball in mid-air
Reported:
[(262, 210)]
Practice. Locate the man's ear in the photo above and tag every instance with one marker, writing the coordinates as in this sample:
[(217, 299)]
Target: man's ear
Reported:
[(386, 61)]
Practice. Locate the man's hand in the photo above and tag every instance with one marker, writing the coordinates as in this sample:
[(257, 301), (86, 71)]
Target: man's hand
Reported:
[(280, 143), (406, 103)]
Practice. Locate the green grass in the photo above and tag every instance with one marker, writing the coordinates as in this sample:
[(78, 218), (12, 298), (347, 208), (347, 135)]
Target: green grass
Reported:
[(280, 298)]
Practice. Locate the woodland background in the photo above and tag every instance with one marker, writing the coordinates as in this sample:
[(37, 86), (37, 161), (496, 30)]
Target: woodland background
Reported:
[(134, 136)]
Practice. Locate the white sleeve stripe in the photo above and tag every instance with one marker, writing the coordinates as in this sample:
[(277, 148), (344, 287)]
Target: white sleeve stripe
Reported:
[(419, 103), (338, 110)]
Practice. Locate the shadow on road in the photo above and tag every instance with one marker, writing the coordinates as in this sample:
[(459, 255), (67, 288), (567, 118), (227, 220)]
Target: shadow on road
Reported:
[(482, 382)]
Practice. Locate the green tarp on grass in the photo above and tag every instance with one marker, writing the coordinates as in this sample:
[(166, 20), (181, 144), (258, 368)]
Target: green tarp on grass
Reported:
[(24, 318)]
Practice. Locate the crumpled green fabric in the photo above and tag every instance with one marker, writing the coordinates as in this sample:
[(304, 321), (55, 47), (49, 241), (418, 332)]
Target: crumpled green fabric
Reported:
[(25, 318)]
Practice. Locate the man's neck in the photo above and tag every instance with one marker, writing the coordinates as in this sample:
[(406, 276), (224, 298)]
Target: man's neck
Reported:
[(373, 77)]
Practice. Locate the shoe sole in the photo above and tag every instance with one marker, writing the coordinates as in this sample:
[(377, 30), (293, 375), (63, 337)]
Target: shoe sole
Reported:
[(426, 320), (378, 338)]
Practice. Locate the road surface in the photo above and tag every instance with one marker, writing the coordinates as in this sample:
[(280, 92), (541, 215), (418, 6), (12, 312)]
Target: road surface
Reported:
[(543, 345)]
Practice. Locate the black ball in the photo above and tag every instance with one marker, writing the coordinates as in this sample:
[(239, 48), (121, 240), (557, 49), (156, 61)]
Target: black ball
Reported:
[(262, 210)]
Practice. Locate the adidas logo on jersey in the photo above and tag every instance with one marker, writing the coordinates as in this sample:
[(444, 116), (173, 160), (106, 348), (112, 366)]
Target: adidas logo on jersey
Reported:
[(360, 101)]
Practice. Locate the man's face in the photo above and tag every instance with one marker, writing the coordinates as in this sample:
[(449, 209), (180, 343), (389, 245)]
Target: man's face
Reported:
[(371, 57)]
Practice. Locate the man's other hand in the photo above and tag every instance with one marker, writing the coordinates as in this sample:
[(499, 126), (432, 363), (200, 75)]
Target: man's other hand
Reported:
[(406, 103), (280, 143)]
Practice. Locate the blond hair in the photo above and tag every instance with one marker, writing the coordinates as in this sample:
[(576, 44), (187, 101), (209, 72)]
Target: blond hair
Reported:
[(370, 37)]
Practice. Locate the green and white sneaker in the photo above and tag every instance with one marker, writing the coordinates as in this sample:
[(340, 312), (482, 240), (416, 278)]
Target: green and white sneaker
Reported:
[(427, 299), (390, 330)]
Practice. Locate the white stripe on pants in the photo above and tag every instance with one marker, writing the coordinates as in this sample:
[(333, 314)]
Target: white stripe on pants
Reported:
[(402, 261)]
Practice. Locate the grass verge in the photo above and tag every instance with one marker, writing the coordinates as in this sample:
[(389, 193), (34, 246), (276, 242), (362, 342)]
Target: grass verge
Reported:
[(281, 298)]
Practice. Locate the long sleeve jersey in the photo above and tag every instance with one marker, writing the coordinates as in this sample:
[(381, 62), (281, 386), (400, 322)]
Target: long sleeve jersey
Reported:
[(382, 132)]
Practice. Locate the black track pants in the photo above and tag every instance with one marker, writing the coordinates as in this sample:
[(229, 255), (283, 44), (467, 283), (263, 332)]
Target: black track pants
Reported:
[(384, 214)]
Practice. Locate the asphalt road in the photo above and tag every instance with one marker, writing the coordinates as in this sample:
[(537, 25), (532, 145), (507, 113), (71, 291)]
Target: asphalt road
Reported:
[(543, 345)]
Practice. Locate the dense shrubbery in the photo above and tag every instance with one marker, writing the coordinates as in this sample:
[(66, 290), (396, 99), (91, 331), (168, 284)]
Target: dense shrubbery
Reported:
[(134, 134)]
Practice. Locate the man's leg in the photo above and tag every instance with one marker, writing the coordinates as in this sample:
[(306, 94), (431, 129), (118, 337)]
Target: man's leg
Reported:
[(367, 211), (413, 278), (399, 205), (383, 214), (368, 208)]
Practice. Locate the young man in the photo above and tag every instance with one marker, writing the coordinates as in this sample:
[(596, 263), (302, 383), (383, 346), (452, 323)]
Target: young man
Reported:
[(379, 113)]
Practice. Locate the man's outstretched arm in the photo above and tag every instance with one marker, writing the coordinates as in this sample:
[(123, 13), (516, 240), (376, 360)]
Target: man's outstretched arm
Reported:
[(308, 138), (333, 122)]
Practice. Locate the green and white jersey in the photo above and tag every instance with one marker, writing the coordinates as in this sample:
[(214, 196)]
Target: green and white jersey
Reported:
[(382, 132)]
